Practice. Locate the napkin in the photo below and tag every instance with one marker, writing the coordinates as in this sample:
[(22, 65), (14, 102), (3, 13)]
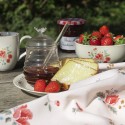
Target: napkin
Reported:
[(107, 66), (98, 100)]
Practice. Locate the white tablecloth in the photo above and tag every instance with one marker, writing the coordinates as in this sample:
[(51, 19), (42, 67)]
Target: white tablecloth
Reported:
[(98, 100)]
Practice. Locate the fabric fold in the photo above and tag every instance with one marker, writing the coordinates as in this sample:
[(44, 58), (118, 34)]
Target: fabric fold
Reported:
[(98, 100)]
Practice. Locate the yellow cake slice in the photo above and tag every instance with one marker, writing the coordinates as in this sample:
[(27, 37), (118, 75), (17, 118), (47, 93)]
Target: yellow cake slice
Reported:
[(65, 60), (91, 62), (88, 64), (74, 71)]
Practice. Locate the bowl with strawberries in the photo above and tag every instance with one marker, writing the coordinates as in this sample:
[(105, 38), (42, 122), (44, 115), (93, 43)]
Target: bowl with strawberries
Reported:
[(101, 45)]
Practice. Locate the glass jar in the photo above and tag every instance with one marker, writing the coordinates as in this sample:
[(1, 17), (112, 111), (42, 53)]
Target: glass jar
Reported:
[(37, 50), (67, 42)]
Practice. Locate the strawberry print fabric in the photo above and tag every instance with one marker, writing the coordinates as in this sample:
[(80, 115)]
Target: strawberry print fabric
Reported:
[(98, 100)]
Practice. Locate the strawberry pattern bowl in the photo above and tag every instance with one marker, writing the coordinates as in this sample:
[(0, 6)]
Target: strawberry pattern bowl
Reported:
[(102, 54), (101, 45)]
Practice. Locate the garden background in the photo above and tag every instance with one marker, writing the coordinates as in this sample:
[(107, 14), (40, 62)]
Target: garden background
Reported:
[(23, 15)]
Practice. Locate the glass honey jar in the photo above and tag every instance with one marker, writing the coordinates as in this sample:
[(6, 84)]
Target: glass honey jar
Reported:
[(37, 49)]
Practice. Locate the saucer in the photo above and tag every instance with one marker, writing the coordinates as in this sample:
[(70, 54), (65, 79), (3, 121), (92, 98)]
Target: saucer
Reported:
[(21, 83)]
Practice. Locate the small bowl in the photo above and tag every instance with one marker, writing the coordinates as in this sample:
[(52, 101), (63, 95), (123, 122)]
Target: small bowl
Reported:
[(102, 54)]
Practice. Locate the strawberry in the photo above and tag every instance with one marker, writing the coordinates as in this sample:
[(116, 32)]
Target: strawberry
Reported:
[(40, 85), (119, 39), (81, 38), (96, 34), (104, 29), (53, 86), (84, 39), (95, 41), (109, 34), (106, 41)]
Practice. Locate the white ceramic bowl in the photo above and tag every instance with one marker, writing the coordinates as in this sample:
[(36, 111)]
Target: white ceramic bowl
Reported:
[(102, 54)]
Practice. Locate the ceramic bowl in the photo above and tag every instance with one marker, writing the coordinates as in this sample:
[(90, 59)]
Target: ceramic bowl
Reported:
[(102, 54)]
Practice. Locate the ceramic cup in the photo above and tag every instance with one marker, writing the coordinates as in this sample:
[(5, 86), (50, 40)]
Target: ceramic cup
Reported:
[(9, 50)]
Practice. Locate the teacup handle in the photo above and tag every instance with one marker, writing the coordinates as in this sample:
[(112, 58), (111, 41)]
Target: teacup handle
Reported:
[(21, 40)]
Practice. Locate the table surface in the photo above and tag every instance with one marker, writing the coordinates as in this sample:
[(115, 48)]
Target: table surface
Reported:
[(11, 96)]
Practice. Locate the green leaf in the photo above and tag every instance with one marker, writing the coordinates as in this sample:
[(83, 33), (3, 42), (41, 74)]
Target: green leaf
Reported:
[(8, 119), (49, 107)]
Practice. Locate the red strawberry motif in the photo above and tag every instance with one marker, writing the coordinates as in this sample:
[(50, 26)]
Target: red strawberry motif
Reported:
[(106, 41), (10, 56), (40, 85), (8, 60), (53, 86), (104, 29)]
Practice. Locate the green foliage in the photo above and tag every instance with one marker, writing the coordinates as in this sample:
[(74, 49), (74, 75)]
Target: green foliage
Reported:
[(23, 15)]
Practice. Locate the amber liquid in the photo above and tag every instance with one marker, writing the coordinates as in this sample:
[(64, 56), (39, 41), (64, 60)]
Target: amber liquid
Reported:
[(33, 73)]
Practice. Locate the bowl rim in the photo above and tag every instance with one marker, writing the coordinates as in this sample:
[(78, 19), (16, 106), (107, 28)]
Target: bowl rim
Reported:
[(98, 46)]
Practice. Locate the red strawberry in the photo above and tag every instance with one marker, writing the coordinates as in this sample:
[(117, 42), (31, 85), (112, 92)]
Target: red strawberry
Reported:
[(95, 41), (106, 41), (53, 86), (81, 38), (119, 39), (84, 39), (109, 34), (104, 29), (40, 85), (96, 34)]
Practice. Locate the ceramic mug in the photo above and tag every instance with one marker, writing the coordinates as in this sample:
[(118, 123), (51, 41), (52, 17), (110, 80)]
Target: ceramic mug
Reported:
[(9, 50)]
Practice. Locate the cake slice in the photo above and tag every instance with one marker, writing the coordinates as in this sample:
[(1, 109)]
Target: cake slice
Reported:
[(91, 62), (65, 60), (74, 71), (88, 64)]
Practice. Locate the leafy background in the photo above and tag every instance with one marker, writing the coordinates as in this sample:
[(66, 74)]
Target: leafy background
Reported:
[(23, 15)]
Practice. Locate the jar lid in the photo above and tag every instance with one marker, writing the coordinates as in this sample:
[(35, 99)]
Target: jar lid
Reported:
[(41, 40), (71, 21)]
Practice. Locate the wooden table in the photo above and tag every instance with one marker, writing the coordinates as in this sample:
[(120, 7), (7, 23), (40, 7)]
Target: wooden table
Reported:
[(11, 96)]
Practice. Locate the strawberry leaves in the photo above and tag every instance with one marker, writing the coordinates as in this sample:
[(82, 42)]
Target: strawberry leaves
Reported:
[(101, 37), (119, 39)]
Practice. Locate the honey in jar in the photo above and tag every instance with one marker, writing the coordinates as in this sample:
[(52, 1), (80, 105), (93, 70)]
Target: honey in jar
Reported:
[(37, 49)]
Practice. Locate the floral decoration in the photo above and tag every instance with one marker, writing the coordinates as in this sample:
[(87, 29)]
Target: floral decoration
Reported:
[(5, 56), (22, 115), (109, 97), (57, 103), (48, 104), (100, 56), (78, 108), (112, 99), (19, 116)]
